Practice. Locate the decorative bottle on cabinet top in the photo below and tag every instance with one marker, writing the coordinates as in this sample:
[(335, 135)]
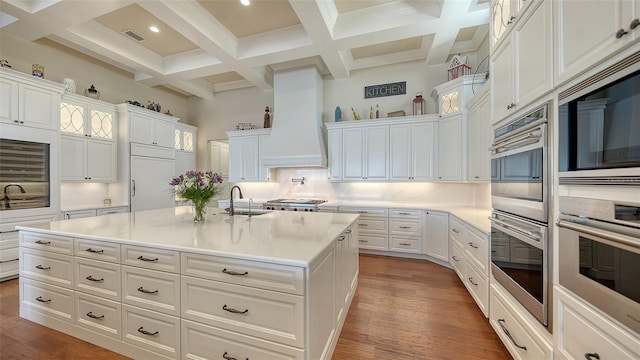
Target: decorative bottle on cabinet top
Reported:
[(338, 115), (267, 118)]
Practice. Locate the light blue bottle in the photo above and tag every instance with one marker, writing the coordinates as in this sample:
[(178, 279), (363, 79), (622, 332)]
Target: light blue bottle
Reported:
[(338, 114)]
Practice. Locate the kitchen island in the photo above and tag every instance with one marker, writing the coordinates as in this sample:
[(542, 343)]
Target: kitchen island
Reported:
[(153, 284)]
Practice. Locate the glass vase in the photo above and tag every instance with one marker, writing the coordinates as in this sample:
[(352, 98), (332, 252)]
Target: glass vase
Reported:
[(199, 210)]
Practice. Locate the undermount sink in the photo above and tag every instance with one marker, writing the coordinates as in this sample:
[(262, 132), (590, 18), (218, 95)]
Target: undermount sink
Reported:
[(247, 212)]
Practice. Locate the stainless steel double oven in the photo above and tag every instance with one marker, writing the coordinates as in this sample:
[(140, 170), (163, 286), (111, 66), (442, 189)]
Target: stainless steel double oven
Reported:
[(520, 193)]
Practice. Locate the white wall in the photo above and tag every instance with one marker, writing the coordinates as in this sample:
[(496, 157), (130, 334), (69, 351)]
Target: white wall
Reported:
[(115, 85)]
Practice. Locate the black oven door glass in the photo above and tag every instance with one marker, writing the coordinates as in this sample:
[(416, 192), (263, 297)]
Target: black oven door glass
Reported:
[(520, 261), (615, 268), (518, 176), (601, 130)]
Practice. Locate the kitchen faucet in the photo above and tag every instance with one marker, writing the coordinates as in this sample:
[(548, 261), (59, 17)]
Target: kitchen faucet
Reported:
[(6, 194), (231, 211)]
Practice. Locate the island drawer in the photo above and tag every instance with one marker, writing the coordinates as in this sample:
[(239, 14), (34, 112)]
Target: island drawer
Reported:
[(289, 279), (98, 278), (98, 250), (150, 258), (265, 314), (52, 268), (151, 289), (98, 314), (202, 342), (405, 213), (151, 330), (404, 244), (53, 243), (47, 299)]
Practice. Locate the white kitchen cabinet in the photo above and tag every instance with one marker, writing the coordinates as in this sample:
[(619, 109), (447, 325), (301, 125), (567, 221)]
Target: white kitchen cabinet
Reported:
[(88, 140), (334, 154), (151, 128), (504, 15), (523, 336), (87, 160), (435, 234), (219, 156), (602, 29), (29, 101), (83, 213), (185, 145), (452, 148), (522, 65), (245, 150), (365, 153), (584, 332), (413, 151), (480, 136), (372, 225)]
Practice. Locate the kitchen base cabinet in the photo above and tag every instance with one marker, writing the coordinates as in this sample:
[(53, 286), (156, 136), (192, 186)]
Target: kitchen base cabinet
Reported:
[(373, 227), (99, 315), (435, 234), (583, 332), (519, 331)]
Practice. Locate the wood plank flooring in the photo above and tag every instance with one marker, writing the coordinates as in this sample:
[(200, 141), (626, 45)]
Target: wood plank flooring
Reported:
[(403, 309)]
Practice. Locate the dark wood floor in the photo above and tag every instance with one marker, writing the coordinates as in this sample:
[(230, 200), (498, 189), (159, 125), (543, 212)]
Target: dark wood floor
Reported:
[(403, 309)]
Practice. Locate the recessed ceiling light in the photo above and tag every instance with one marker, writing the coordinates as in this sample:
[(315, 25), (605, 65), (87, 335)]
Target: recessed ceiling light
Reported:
[(154, 29), (245, 2)]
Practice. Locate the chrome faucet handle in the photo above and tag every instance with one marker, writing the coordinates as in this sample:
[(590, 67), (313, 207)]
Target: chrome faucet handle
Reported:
[(250, 205)]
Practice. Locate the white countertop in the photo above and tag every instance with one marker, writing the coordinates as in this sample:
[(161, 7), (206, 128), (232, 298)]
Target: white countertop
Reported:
[(281, 237)]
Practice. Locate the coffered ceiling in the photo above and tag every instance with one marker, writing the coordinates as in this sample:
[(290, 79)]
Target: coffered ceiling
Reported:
[(207, 46)]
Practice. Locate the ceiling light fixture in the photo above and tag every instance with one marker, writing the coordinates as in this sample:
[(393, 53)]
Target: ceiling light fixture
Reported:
[(245, 2), (154, 29)]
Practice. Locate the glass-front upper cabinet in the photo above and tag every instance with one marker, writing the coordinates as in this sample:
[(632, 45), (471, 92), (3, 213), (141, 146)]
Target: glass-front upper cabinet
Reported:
[(504, 13), (184, 137), (81, 116)]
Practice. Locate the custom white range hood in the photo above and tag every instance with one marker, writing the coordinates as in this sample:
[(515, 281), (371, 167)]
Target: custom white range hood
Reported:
[(296, 136)]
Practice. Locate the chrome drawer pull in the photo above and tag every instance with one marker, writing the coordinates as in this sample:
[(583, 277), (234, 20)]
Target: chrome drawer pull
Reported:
[(349, 231), (404, 213), (95, 251), (405, 227), (363, 225), (229, 272), (455, 258), (341, 238), (227, 357), (142, 290), (455, 231), (39, 298), (146, 259), (362, 212), (143, 331), (591, 356), (90, 314), (506, 332), (40, 267), (473, 245), (405, 244), (234, 311), (363, 241), (43, 242), (91, 278), (471, 281)]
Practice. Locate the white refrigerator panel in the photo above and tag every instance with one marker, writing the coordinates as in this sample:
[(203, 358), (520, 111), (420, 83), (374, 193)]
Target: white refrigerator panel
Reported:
[(150, 178)]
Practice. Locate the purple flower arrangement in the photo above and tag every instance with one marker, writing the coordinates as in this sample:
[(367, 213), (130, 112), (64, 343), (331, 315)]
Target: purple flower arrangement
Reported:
[(198, 187)]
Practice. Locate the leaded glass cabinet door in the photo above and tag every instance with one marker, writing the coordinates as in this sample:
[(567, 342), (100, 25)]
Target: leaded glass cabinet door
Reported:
[(102, 124), (72, 118)]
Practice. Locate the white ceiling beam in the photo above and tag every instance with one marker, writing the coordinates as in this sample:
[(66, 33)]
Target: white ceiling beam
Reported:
[(318, 18), (198, 87)]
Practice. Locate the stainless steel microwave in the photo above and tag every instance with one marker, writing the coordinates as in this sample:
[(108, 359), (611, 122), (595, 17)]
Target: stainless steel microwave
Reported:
[(599, 127)]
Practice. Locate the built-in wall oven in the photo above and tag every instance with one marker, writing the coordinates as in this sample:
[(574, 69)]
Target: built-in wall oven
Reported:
[(599, 241), (519, 170), (520, 250)]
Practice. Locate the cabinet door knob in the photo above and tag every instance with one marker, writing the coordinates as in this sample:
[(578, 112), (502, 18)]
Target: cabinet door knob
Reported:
[(591, 356), (621, 33)]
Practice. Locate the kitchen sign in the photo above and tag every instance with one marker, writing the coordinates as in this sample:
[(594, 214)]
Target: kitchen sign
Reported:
[(391, 89)]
